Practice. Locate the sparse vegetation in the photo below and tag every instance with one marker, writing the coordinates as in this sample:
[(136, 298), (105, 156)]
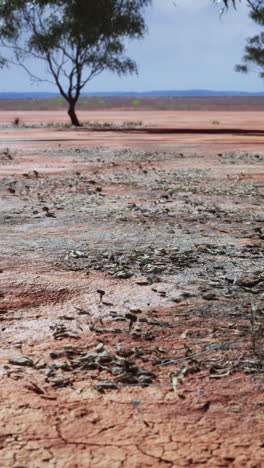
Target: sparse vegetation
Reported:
[(241, 103), (60, 100), (17, 122), (132, 123), (107, 125), (136, 102)]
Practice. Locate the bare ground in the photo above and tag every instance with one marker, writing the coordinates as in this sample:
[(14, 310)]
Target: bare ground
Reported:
[(132, 292)]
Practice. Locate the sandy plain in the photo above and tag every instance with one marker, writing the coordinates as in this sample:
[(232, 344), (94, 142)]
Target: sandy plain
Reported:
[(221, 130), (132, 285)]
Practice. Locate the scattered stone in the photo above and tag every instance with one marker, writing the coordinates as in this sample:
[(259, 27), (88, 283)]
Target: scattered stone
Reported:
[(249, 280), (142, 281), (21, 361), (60, 381), (123, 274)]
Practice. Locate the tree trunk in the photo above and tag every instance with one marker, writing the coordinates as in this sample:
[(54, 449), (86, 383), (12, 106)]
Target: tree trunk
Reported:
[(72, 115)]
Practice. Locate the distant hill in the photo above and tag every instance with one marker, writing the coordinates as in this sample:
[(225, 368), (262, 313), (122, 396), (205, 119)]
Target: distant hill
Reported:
[(186, 93)]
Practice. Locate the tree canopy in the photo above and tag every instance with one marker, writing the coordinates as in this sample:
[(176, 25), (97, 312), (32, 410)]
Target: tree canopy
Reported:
[(254, 50), (77, 39), (256, 6)]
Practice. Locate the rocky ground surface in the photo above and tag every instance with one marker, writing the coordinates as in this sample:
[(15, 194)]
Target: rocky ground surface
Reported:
[(132, 294)]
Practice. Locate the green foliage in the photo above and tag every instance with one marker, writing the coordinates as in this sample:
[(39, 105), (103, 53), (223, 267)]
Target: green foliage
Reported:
[(136, 102), (78, 39), (254, 50)]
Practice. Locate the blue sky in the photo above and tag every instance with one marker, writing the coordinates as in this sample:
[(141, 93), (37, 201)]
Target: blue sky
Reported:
[(188, 46)]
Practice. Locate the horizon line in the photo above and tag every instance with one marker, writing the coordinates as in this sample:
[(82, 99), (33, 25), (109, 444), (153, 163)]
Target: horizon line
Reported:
[(154, 91)]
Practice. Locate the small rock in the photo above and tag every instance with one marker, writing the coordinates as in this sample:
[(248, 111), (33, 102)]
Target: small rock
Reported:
[(209, 296), (99, 348), (21, 361), (60, 382), (123, 274), (142, 281), (248, 280), (176, 299), (57, 354), (135, 310)]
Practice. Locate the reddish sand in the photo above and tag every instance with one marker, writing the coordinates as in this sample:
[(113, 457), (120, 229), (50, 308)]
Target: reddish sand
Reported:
[(184, 219), (250, 123)]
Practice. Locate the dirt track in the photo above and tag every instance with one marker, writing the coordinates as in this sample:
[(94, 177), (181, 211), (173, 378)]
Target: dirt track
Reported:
[(131, 266)]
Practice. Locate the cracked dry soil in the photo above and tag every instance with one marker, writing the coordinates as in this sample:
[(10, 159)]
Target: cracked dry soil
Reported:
[(132, 293)]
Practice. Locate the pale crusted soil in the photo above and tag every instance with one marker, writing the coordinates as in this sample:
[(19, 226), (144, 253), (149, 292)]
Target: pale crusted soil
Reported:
[(132, 285)]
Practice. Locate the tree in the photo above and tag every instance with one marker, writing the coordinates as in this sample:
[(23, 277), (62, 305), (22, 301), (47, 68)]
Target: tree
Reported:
[(256, 6), (76, 39), (254, 48)]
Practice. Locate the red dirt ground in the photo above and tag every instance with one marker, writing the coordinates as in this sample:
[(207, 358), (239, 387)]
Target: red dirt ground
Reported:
[(213, 120), (169, 226)]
